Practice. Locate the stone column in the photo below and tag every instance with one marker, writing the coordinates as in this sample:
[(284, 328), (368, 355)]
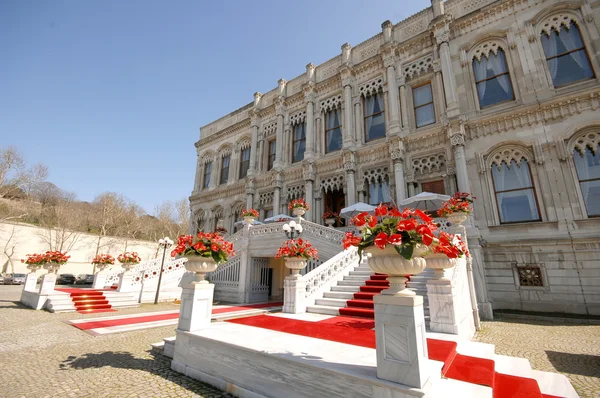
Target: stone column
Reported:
[(310, 130), (319, 133), (196, 306), (277, 185), (401, 344), (308, 189), (447, 72), (294, 290), (253, 147), (234, 166), (358, 120), (350, 167), (360, 186), (399, 180), (393, 100), (48, 283), (458, 143), (439, 88), (30, 282), (403, 103), (348, 125), (199, 167), (216, 170), (410, 180)]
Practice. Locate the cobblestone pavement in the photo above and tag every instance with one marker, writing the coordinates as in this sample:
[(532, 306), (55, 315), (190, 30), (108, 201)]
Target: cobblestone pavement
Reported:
[(41, 356), (569, 348)]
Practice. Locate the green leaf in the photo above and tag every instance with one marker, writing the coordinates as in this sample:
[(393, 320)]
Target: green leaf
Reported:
[(405, 250)]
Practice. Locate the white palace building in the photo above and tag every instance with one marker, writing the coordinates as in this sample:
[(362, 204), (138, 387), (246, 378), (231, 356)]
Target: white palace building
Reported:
[(500, 98)]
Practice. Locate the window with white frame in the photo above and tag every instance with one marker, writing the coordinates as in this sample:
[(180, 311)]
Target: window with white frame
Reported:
[(492, 78), (298, 142), (245, 162), (423, 103), (271, 155), (566, 55), (225, 169), (333, 130), (207, 173), (379, 191), (587, 163), (374, 117), (514, 191)]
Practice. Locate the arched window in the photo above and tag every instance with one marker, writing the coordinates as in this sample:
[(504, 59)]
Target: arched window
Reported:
[(491, 76), (586, 156), (565, 52), (513, 189)]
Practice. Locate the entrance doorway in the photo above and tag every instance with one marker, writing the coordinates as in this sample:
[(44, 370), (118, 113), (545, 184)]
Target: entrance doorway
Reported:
[(434, 187), (335, 201)]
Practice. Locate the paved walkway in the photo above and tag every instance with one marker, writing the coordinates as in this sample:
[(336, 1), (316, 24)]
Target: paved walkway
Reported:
[(569, 348), (41, 356)]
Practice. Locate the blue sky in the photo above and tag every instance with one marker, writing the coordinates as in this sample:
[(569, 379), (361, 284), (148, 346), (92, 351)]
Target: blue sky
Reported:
[(110, 94)]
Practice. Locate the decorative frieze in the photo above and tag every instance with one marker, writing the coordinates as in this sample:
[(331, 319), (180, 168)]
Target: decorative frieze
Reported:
[(298, 118), (332, 183), (221, 193), (371, 87), (376, 175), (429, 164), (270, 129), (265, 198), (418, 67), (484, 49), (331, 103), (588, 140), (417, 142), (294, 192), (557, 22), (479, 20), (506, 155)]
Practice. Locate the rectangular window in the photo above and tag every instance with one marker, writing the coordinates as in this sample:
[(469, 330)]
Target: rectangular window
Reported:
[(225, 169), (434, 187), (207, 172), (374, 117), (271, 159), (269, 213), (245, 163), (530, 276), (379, 192), (299, 142), (423, 100), (333, 131), (514, 191), (492, 79)]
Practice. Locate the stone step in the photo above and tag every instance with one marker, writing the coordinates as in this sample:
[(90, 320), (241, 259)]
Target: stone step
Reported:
[(332, 302), (364, 269), (512, 366), (350, 283), (360, 278), (323, 309), (361, 273), (476, 349), (554, 384), (457, 388), (352, 289), (339, 295)]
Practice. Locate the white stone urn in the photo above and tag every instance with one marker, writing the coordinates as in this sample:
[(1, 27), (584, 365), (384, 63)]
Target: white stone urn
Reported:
[(102, 267), (52, 267), (200, 266), (295, 264), (330, 222), (457, 217), (440, 262), (388, 261), (128, 266), (299, 211), (249, 219), (33, 267)]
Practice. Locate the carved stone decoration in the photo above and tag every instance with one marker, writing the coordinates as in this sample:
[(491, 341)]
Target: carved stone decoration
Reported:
[(279, 103), (331, 103), (376, 175), (538, 153), (308, 171), (226, 151), (507, 155), (409, 177), (561, 148), (332, 183), (429, 164), (457, 139), (244, 143), (590, 140), (418, 67), (199, 220), (250, 188), (254, 117), (371, 87), (207, 157), (557, 22), (349, 158), (481, 168), (450, 170), (270, 129), (346, 53), (294, 192), (442, 37), (484, 49), (277, 180), (298, 118), (265, 198), (396, 149)]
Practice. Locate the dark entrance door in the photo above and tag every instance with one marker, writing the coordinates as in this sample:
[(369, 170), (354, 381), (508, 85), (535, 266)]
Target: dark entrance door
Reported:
[(335, 201)]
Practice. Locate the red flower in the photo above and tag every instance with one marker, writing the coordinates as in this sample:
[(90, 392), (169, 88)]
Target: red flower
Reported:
[(395, 239), (381, 240), (426, 234), (423, 216), (406, 225), (381, 210)]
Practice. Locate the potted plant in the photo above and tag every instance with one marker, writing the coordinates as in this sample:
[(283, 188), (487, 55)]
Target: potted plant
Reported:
[(296, 253), (54, 259), (128, 260), (102, 261), (445, 253), (299, 207), (204, 252), (458, 208), (34, 261), (249, 215), (396, 241), (330, 217)]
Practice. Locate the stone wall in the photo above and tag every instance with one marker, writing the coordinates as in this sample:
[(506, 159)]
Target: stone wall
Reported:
[(29, 239)]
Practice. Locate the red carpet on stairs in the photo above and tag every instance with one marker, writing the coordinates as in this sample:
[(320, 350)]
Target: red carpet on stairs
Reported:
[(88, 301), (362, 303), (357, 331)]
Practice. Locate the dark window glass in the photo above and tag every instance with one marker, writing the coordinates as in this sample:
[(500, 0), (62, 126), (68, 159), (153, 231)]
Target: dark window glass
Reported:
[(374, 117), (514, 190), (245, 162), (207, 172), (299, 142), (588, 172), (225, 169), (492, 79), (333, 131), (423, 100), (272, 149)]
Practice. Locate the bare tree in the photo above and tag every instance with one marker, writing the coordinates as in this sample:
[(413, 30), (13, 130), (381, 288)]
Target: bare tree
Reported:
[(62, 221), (9, 251)]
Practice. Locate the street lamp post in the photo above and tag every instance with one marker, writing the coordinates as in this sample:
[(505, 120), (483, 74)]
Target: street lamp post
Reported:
[(292, 229), (165, 243)]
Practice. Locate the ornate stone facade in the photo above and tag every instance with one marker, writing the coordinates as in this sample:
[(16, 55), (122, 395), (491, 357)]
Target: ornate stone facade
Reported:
[(461, 90)]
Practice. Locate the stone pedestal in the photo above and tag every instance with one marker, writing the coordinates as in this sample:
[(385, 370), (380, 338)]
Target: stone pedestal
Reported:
[(196, 306), (293, 295), (401, 342), (444, 308), (100, 280), (30, 282), (48, 283), (126, 281)]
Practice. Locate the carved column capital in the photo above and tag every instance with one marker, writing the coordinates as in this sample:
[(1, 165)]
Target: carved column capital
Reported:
[(349, 159), (279, 103), (308, 171)]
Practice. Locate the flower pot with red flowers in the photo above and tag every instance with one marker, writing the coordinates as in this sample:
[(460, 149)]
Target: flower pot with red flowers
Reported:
[(249, 215), (330, 217), (54, 259), (396, 241), (445, 254), (204, 252), (35, 261), (102, 261), (128, 260), (296, 253), (458, 208), (298, 207)]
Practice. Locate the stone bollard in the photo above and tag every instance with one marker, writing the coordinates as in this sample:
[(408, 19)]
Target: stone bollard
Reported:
[(293, 295), (126, 281), (48, 283), (100, 280), (30, 282), (196, 306)]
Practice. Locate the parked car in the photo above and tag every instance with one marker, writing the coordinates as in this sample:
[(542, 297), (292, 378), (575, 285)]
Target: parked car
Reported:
[(65, 279), (14, 279), (1, 278), (84, 279)]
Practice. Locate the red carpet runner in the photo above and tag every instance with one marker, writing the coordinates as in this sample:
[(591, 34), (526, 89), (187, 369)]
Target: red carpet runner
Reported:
[(356, 331), (362, 304), (88, 301)]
